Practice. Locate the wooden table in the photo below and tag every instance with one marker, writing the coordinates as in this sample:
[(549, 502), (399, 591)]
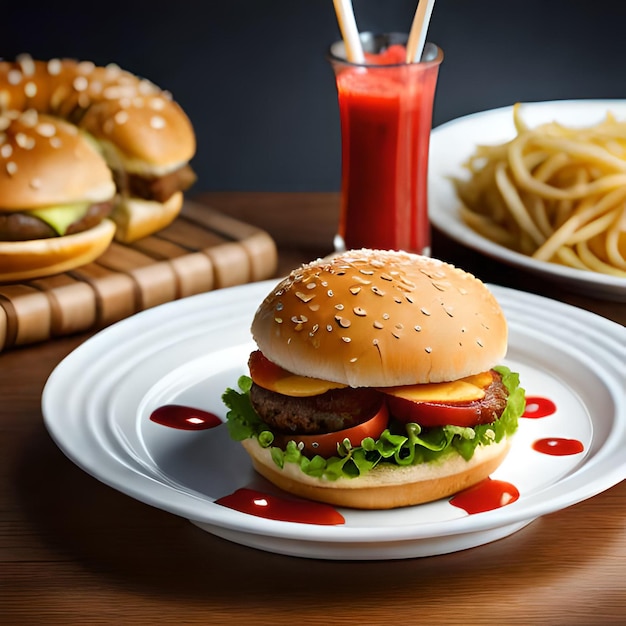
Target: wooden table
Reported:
[(74, 551)]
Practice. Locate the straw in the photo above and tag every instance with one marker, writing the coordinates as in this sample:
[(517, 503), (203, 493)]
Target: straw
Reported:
[(417, 36), (349, 31)]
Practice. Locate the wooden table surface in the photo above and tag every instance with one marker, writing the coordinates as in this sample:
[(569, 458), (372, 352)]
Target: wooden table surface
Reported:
[(74, 551)]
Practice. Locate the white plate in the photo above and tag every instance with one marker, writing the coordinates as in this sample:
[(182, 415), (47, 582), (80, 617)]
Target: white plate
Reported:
[(97, 404), (453, 143)]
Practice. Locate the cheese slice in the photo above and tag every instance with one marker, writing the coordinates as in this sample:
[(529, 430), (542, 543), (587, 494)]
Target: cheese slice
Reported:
[(62, 216), (302, 386), (462, 390)]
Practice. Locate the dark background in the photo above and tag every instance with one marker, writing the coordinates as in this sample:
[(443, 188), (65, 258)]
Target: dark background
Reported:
[(252, 74)]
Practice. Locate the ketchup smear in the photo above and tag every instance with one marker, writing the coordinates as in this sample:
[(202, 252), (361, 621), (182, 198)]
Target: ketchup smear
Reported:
[(184, 417), (485, 496), (281, 509), (537, 406), (558, 446)]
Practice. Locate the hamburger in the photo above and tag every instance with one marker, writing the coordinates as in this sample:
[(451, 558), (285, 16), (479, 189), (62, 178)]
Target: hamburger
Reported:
[(56, 193), (376, 383), (144, 136)]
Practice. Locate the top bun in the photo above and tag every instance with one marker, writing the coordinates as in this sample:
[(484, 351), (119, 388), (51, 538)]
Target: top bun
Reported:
[(45, 161), (140, 127), (371, 318)]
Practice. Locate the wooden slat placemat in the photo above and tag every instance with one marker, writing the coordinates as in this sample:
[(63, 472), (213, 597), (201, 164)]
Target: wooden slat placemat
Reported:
[(201, 251)]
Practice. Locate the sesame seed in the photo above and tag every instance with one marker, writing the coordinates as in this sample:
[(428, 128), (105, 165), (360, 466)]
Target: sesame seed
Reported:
[(342, 321), (278, 320), (417, 328), (11, 168), (27, 64), (35, 183), (279, 306), (86, 67), (6, 150), (480, 343), (305, 297), (80, 83), (355, 290), (30, 89), (386, 277), (346, 339), (121, 117), (54, 67), (29, 118), (299, 320), (357, 310), (378, 291), (424, 311), (428, 349), (14, 77), (329, 327), (385, 316), (311, 285), (157, 122), (45, 129), (339, 307), (378, 324), (56, 142)]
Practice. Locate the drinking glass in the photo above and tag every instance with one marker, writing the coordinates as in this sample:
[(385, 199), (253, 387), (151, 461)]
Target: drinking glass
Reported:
[(385, 108)]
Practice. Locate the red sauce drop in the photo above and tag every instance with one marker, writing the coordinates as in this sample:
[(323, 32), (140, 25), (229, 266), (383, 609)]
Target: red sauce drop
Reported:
[(281, 509), (537, 406), (558, 446), (184, 417), (485, 496)]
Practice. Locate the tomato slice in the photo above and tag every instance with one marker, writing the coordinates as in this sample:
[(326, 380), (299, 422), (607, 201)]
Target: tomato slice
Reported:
[(270, 376), (430, 414), (325, 444)]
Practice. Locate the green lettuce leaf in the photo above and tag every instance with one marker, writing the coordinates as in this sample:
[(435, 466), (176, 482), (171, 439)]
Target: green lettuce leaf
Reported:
[(400, 444)]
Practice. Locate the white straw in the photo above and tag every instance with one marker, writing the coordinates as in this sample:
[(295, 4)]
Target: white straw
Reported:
[(417, 36), (349, 31)]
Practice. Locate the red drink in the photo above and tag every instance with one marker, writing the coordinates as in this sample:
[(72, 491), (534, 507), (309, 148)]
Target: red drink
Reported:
[(386, 116)]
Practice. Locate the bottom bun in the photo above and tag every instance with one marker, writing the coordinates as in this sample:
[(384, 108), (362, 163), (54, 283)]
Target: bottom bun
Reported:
[(386, 486), (36, 258), (136, 218)]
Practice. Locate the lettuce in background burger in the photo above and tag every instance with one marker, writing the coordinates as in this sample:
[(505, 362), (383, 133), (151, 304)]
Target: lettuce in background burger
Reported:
[(377, 382)]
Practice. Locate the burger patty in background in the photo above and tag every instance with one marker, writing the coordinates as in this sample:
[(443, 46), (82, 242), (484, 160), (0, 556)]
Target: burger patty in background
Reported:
[(25, 225)]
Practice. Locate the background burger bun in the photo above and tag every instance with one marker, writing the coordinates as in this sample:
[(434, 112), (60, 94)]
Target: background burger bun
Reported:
[(44, 161), (136, 218), (24, 260), (369, 318), (384, 487)]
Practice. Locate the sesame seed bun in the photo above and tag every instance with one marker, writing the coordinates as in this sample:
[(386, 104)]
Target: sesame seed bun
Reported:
[(370, 318), (45, 161), (140, 124), (136, 218), (25, 260)]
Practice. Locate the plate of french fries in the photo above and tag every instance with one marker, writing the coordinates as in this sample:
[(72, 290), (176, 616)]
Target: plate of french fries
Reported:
[(538, 185)]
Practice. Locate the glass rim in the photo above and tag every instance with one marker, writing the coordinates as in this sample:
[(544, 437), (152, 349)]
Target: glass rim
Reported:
[(435, 53)]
